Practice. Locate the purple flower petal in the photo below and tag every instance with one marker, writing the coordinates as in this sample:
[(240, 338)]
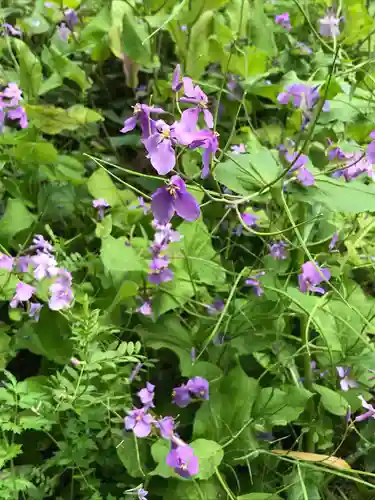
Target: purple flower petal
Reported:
[(162, 206), (187, 206)]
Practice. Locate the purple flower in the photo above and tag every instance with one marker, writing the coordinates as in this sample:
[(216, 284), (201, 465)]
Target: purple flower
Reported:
[(183, 461), (75, 361), (145, 308), (184, 28), (250, 219), (13, 93), (142, 494), (135, 372), (100, 204), (181, 396), (159, 146), (195, 95), (199, 387), (6, 262), (277, 250), (346, 383), (176, 79), (255, 283), (206, 139), (141, 115), (34, 311), (61, 297), (371, 152), (71, 17), (283, 20), (336, 153), (299, 170), (44, 266), (142, 204), (303, 96), (146, 396), (23, 294), (370, 413), (333, 241), (39, 243), (166, 427), (311, 276), (160, 273), (174, 198), (355, 165), (19, 114), (23, 263), (215, 307), (304, 48), (139, 422), (64, 32), (329, 25), (238, 149), (11, 30)]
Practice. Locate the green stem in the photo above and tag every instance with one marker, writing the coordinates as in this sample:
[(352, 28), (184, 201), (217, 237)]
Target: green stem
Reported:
[(224, 485)]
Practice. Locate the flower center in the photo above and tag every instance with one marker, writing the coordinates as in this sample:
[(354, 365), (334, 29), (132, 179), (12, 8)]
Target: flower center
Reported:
[(138, 418), (137, 109), (172, 189)]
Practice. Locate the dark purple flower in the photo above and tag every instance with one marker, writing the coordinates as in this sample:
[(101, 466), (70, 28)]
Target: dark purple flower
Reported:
[(238, 149), (311, 276), (333, 241), (181, 396), (299, 170), (18, 114), (71, 17), (139, 422), (159, 271), (174, 198), (329, 25), (11, 30), (61, 297), (145, 308), (356, 164), (195, 95), (146, 396), (141, 115), (159, 146), (277, 250), (198, 387), (100, 204), (284, 21), (23, 294), (370, 413), (346, 382), (215, 307), (176, 79), (255, 283), (303, 96), (183, 461), (64, 32), (34, 311), (135, 372), (193, 354), (166, 427), (6, 262), (206, 139), (40, 243), (336, 153), (250, 219)]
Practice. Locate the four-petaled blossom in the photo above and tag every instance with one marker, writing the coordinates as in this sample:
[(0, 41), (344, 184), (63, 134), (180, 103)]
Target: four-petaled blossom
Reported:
[(255, 283), (71, 17), (370, 413), (356, 164), (166, 427), (215, 307), (206, 139), (6, 262), (40, 243), (346, 382), (142, 494), (44, 266), (311, 276), (159, 271), (139, 422), (64, 32), (146, 395), (61, 297), (250, 219), (141, 115), (277, 250), (145, 308), (174, 198), (195, 95), (23, 294), (284, 21), (13, 93), (176, 79), (302, 96), (181, 396), (329, 25), (183, 461), (100, 204), (159, 146), (198, 387)]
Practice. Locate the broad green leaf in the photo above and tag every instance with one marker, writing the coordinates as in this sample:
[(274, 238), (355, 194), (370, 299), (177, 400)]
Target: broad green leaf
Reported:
[(100, 185), (159, 452), (198, 55), (346, 109), (259, 496), (43, 152), (70, 169), (358, 23), (133, 453), (30, 69), (5, 352), (8, 283), (332, 401), (210, 455), (261, 29), (52, 120), (118, 258), (192, 490), (174, 293), (66, 68), (8, 452), (36, 24), (15, 219)]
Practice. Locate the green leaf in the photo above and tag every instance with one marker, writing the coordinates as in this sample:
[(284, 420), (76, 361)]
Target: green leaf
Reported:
[(192, 490), (133, 453), (100, 185), (15, 219), (246, 173), (198, 55), (261, 29), (259, 496), (159, 452), (332, 400), (118, 258), (210, 455), (8, 452), (38, 152), (66, 68), (174, 293), (52, 120), (30, 69)]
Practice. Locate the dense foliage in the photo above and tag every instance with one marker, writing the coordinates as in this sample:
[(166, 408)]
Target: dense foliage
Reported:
[(187, 265)]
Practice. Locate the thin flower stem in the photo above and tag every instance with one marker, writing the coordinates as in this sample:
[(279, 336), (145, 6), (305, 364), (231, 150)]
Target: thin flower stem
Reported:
[(224, 485)]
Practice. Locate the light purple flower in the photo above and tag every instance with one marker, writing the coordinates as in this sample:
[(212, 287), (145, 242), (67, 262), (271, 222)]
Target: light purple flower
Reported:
[(146, 396), (139, 422), (64, 32), (61, 297), (40, 243), (302, 96), (329, 25), (71, 17), (371, 152), (215, 307), (75, 361), (370, 413), (34, 311), (283, 20), (159, 271), (19, 114), (206, 139), (195, 95), (346, 382), (198, 387), (311, 276), (142, 204), (135, 372), (44, 266), (100, 204), (184, 27), (250, 219), (159, 146), (166, 427), (145, 308), (183, 461), (333, 241), (356, 164), (11, 30), (277, 250), (336, 153), (238, 149), (23, 263), (299, 170), (23, 294), (142, 494), (174, 198), (141, 115), (6, 262), (255, 283), (14, 93), (181, 396), (176, 79)]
